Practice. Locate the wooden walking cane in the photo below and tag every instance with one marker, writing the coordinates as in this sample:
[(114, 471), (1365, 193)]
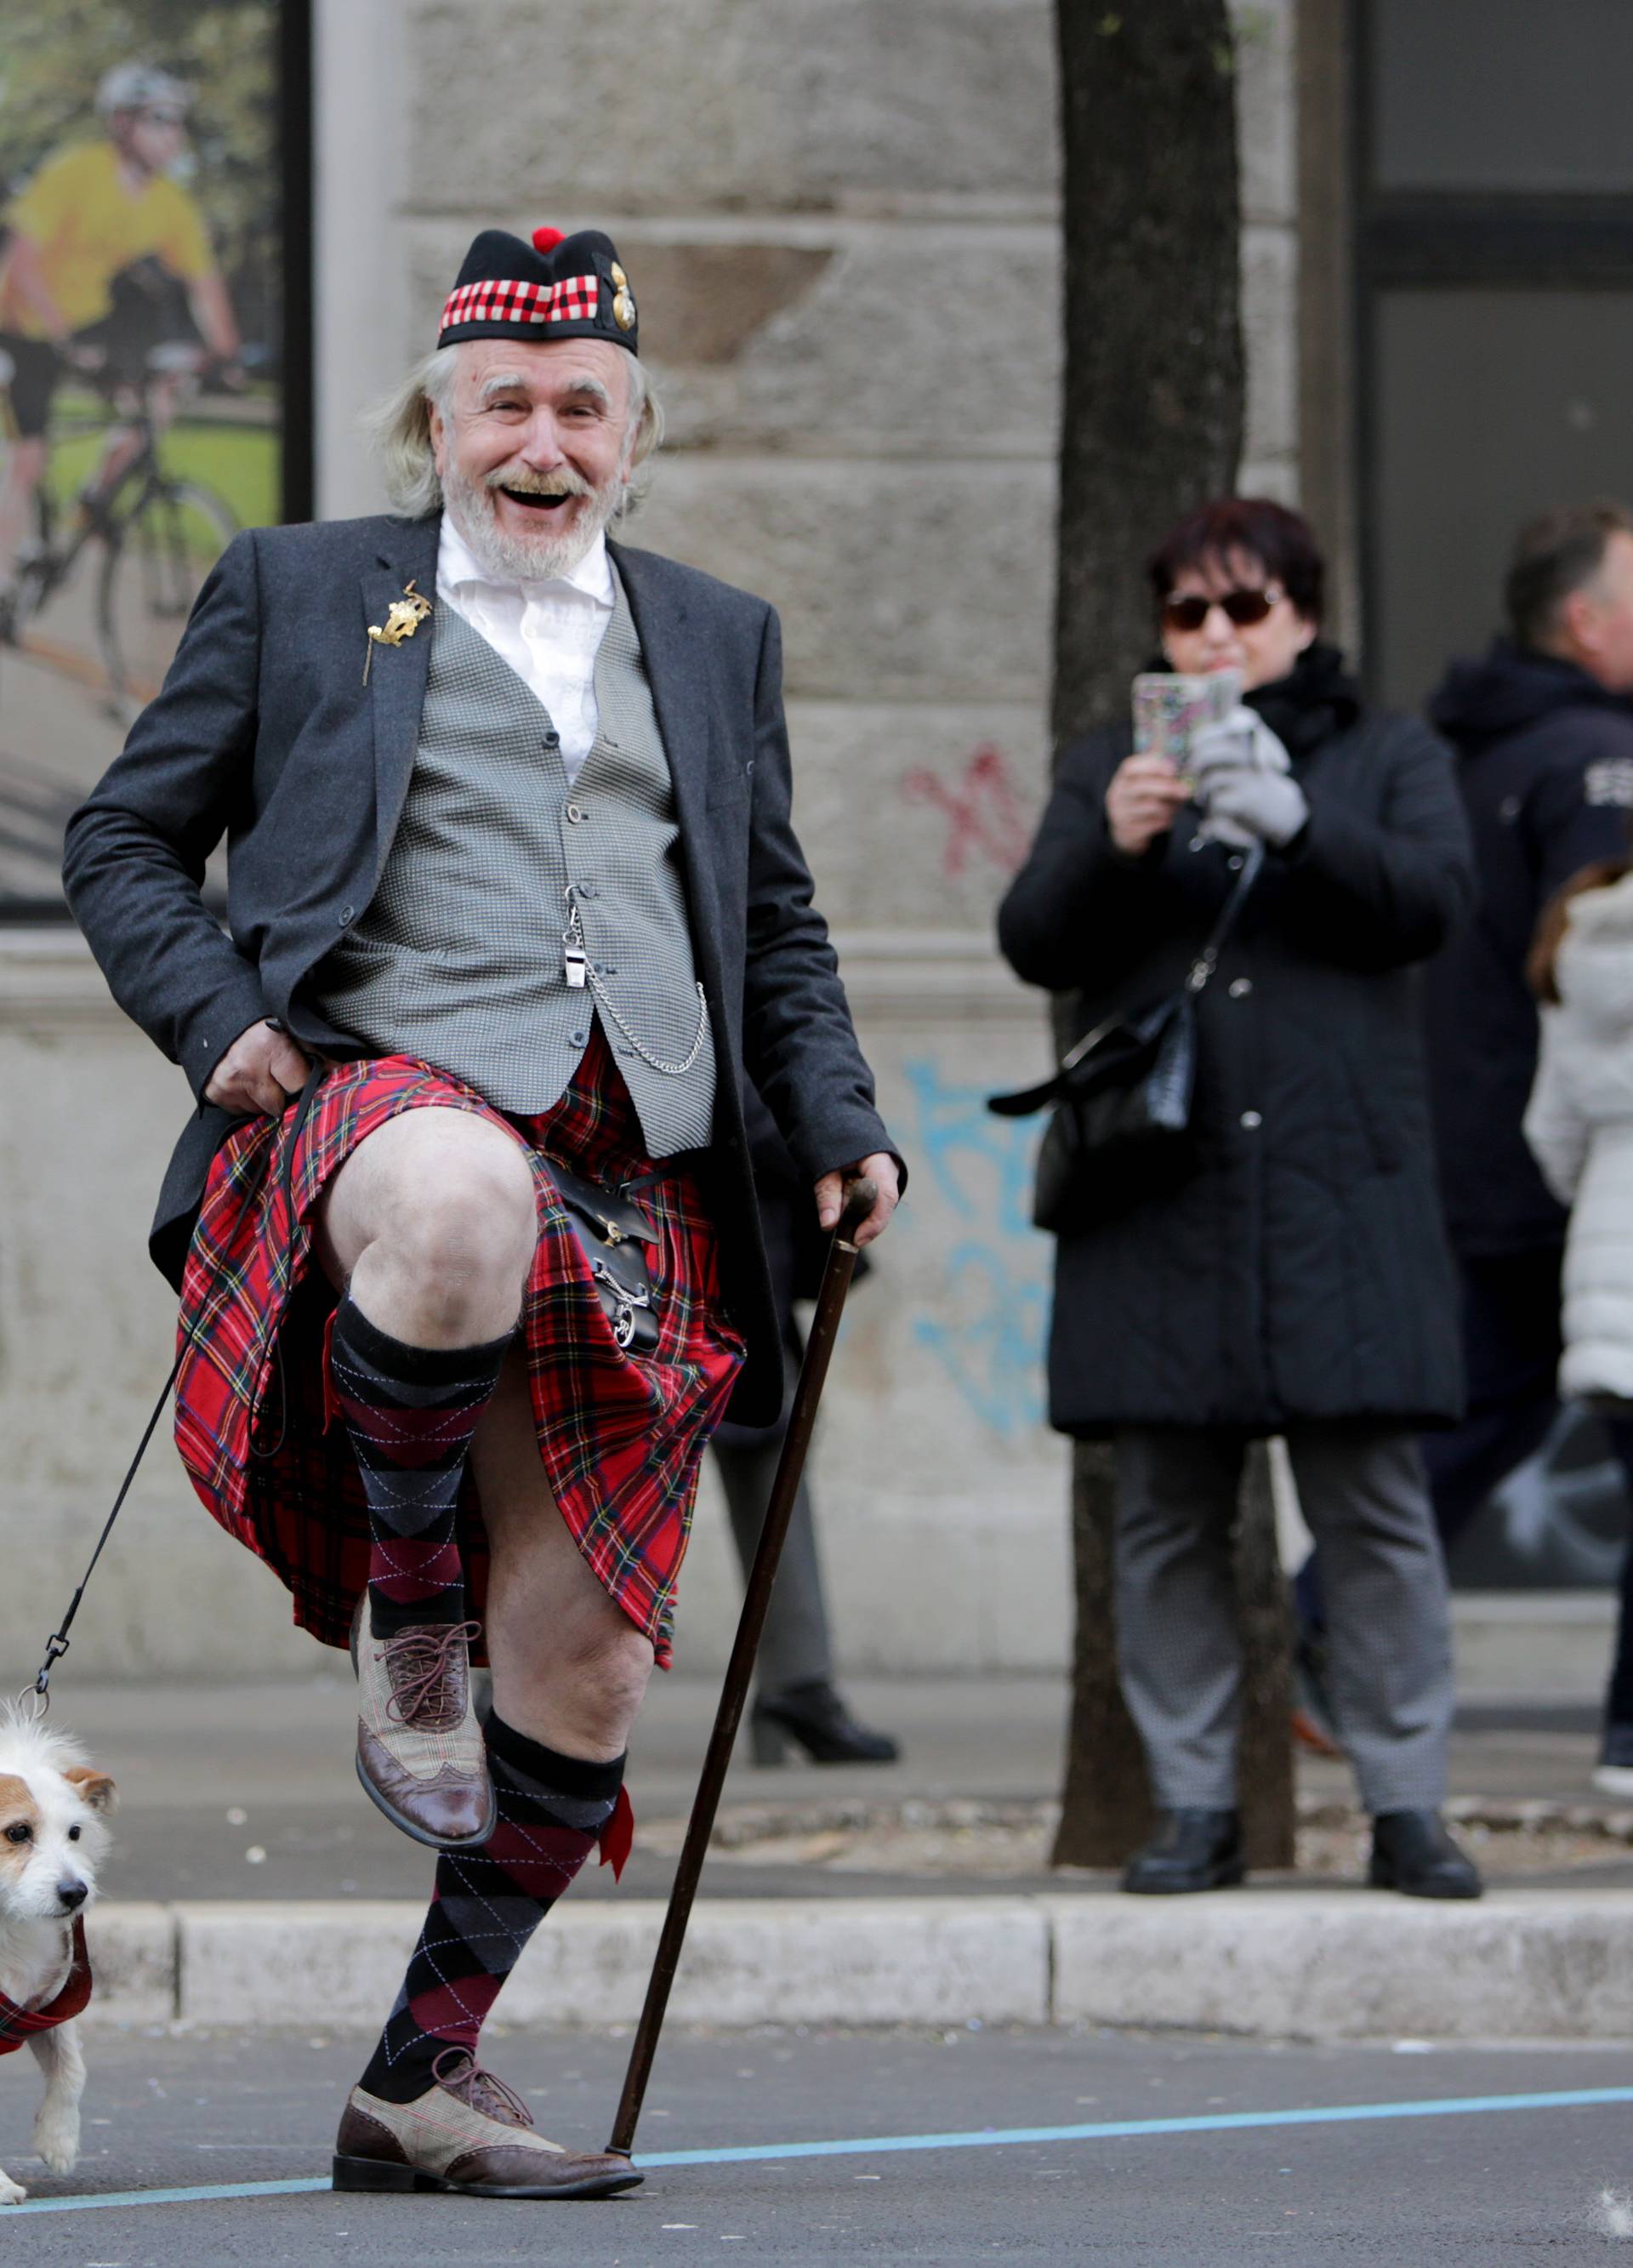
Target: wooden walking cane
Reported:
[(842, 1260)]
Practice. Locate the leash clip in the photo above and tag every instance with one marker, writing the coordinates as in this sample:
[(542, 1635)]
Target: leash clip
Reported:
[(56, 1646)]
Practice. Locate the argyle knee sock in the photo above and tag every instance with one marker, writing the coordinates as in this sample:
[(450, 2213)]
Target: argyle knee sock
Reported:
[(410, 1412), (488, 1902)]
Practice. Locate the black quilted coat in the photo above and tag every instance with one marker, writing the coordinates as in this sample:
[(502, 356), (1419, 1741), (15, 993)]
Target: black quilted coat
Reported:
[(1302, 1272)]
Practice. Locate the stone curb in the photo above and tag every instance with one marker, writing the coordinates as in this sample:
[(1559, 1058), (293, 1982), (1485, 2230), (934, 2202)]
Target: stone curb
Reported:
[(1319, 1964)]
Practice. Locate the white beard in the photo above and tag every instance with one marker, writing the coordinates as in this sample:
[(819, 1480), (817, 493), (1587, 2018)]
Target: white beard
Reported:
[(539, 558)]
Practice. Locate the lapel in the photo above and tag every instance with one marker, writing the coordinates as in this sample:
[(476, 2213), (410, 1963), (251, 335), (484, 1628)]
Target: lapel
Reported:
[(677, 670), (397, 673)]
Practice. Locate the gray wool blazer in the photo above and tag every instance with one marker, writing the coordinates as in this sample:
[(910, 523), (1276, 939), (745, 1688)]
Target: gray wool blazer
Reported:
[(265, 733)]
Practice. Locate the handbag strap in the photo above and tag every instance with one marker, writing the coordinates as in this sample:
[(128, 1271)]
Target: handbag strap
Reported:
[(1036, 1098), (1208, 960)]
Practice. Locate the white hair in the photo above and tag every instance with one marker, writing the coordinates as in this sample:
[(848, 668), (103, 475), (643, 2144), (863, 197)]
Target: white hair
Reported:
[(400, 427)]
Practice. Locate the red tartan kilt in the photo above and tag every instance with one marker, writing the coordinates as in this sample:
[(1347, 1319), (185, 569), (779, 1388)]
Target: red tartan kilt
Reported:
[(621, 1437)]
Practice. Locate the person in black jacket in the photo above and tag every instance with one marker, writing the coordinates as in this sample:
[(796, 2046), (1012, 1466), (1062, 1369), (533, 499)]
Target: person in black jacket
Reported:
[(1298, 1281), (1543, 730)]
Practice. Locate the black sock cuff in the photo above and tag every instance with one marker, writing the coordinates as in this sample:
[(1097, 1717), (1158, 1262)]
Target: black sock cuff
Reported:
[(550, 1772), (396, 1359)]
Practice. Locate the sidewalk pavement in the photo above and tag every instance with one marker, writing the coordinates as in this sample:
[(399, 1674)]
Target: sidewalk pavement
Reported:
[(252, 1882)]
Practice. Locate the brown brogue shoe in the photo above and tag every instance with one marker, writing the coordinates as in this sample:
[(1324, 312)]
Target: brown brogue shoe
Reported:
[(420, 1749), (470, 2135)]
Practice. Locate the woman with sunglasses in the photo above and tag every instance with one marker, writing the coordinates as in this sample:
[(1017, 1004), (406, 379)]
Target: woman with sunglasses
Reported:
[(1296, 1280)]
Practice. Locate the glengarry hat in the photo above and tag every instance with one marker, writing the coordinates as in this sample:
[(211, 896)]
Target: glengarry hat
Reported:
[(557, 287)]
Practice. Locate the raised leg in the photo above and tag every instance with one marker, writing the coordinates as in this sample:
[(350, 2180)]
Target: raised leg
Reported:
[(430, 1225)]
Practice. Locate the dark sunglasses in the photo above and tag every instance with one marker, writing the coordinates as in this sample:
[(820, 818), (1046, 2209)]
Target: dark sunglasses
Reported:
[(1244, 608)]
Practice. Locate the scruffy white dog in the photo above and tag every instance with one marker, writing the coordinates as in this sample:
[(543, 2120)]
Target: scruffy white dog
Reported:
[(52, 1806)]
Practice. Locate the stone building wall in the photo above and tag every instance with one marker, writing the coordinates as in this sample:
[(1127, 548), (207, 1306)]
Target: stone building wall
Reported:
[(840, 217)]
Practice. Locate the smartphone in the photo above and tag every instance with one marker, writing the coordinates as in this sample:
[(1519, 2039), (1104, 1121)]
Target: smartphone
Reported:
[(1170, 709)]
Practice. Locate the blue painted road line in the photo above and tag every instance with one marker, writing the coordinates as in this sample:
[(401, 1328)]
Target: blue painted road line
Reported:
[(991, 2138), (209, 2191)]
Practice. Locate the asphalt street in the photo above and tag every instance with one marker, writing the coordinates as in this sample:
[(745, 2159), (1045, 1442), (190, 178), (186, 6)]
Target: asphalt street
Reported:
[(1174, 2154)]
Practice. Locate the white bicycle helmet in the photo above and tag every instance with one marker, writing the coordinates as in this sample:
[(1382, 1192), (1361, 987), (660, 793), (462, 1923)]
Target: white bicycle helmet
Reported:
[(140, 87)]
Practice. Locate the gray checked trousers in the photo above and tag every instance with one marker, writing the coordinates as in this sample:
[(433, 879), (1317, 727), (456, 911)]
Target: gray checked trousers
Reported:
[(1389, 1659)]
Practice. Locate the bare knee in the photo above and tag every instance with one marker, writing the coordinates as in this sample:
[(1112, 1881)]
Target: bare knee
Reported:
[(471, 1216), (612, 1671), (583, 1694), (446, 1230)]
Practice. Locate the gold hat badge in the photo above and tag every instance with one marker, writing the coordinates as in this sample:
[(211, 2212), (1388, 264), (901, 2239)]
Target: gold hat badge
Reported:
[(403, 617), (623, 303)]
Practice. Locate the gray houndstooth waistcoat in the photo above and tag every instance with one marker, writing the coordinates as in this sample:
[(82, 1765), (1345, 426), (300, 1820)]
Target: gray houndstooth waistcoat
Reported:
[(458, 958)]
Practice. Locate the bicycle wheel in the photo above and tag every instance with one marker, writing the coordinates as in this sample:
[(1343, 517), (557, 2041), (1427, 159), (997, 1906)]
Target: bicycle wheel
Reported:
[(156, 559)]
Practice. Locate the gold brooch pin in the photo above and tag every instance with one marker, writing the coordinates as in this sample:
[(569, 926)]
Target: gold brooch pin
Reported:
[(403, 617), (623, 303)]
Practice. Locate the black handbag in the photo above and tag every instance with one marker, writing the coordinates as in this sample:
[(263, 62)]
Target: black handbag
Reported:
[(613, 1234), (1121, 1129)]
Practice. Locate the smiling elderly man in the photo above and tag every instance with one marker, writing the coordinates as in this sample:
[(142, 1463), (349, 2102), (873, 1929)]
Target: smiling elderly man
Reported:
[(513, 896)]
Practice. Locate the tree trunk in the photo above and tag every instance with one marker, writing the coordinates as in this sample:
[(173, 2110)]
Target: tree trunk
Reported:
[(1264, 1771), (1152, 422), (1152, 419)]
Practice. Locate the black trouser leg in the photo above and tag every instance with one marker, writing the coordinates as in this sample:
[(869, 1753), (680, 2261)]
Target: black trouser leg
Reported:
[(1619, 1695), (794, 1649)]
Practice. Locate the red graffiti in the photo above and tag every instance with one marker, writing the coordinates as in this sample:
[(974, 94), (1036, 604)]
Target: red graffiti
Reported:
[(984, 814)]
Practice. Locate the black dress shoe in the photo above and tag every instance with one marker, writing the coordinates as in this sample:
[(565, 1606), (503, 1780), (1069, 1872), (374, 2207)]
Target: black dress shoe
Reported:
[(1412, 1852), (814, 1716), (1190, 1850)]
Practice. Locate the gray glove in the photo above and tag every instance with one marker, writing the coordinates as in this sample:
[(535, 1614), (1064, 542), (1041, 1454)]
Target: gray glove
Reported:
[(1240, 775), (1268, 805)]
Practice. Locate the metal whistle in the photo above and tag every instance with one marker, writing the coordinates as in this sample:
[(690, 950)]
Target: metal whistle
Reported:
[(576, 962)]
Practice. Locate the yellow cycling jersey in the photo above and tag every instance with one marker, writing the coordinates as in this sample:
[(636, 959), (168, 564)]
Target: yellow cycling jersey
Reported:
[(88, 226)]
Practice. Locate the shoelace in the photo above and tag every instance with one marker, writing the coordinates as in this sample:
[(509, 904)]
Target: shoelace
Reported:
[(478, 2090), (423, 1665)]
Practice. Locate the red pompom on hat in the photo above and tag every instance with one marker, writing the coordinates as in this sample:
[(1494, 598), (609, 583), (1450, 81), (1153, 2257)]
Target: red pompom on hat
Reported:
[(553, 287)]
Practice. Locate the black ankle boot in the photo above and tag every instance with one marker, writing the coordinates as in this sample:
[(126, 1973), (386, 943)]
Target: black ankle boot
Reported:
[(1412, 1852), (814, 1716), (1191, 1850)]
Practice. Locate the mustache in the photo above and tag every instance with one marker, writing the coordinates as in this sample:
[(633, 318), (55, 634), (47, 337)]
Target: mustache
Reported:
[(562, 483)]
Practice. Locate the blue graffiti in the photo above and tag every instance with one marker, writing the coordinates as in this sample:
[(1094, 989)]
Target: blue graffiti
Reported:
[(989, 1334), (971, 1153)]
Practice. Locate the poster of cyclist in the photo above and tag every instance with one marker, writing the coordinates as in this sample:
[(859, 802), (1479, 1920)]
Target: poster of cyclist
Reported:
[(141, 269)]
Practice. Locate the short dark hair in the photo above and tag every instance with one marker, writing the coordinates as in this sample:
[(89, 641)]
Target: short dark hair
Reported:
[(1282, 542), (1554, 557)]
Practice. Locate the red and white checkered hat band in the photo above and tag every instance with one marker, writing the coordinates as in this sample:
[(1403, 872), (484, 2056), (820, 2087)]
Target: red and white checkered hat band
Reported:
[(573, 300)]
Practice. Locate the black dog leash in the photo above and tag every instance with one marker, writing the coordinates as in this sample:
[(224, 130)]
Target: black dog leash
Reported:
[(57, 1644)]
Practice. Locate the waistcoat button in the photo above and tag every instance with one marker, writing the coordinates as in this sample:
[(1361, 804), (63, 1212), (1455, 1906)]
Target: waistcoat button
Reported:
[(347, 915), (1250, 1119), (1242, 988), (575, 812)]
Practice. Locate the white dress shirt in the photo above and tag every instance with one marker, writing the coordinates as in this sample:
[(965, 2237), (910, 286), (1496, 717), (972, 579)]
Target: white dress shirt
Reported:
[(549, 632)]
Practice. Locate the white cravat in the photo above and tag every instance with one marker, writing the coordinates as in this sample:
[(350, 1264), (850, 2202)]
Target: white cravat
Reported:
[(549, 632)]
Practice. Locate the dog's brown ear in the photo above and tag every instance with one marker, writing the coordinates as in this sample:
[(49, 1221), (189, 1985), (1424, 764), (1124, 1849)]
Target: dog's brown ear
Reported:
[(96, 1787)]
